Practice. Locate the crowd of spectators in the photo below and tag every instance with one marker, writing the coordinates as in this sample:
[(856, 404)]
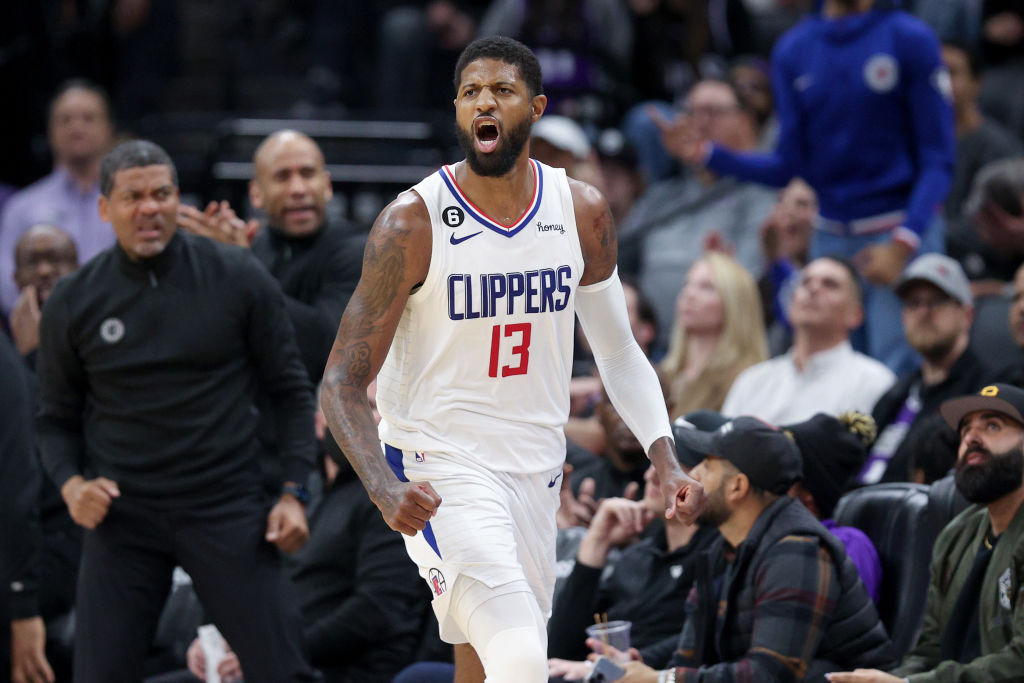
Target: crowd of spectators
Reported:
[(787, 177)]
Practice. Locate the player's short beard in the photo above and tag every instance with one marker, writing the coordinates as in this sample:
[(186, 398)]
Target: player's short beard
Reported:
[(1000, 474), (510, 144)]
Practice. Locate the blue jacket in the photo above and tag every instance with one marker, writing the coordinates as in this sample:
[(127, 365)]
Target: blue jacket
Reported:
[(864, 110)]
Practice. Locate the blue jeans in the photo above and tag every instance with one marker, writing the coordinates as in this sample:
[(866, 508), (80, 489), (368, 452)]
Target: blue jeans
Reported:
[(881, 336)]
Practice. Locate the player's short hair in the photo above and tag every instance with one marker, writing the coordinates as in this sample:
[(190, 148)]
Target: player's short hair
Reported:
[(133, 154), (507, 50)]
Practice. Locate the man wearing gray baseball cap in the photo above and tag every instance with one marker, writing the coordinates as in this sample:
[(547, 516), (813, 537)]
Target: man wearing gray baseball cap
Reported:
[(974, 616), (777, 594), (937, 310)]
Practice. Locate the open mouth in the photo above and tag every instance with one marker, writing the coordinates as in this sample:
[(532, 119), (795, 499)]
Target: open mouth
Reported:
[(486, 130)]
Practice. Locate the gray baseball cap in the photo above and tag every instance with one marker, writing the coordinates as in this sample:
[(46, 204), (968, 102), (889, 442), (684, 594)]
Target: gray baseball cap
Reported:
[(941, 271)]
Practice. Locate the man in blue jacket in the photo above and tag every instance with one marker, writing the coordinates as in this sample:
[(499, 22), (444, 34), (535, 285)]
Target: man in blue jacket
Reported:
[(863, 103)]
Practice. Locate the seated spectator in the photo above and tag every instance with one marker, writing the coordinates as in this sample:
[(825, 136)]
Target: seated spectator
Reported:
[(980, 140), (995, 207), (752, 78), (718, 332), (785, 242), (937, 312), (660, 235), (821, 373), (974, 615), (834, 450), (646, 584), (623, 181), (362, 601), (1017, 323), (776, 598), (80, 132), (42, 256)]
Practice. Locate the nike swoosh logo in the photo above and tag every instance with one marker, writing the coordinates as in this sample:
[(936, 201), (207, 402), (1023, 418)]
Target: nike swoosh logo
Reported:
[(554, 480), (456, 240)]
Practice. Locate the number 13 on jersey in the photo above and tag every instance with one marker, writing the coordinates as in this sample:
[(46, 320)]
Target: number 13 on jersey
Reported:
[(517, 337)]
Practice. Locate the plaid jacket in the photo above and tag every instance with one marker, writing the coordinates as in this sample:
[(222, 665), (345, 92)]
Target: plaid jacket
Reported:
[(789, 607)]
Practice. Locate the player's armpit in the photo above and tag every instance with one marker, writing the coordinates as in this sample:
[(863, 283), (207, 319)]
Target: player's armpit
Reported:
[(597, 232)]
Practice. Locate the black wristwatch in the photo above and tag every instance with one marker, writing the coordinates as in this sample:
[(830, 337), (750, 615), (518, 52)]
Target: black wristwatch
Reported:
[(298, 491)]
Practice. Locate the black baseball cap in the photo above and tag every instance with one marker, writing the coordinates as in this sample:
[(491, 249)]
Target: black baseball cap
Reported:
[(702, 420), (769, 458), (999, 398)]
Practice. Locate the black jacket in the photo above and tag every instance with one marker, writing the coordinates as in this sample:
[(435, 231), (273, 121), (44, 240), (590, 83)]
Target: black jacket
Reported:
[(362, 600), (148, 371), (967, 376), (20, 479), (318, 274)]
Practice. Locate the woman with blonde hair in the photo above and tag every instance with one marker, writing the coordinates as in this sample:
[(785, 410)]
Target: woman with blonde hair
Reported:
[(718, 331)]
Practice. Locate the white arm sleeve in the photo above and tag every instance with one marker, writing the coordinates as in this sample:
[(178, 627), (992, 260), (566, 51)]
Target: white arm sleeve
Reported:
[(629, 378)]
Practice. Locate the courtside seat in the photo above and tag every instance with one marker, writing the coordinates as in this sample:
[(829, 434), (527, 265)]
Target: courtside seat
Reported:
[(895, 517), (944, 503)]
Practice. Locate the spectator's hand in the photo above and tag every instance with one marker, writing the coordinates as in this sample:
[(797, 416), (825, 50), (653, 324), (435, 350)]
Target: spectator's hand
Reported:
[(25, 320), (863, 676), (618, 521), (195, 660), (89, 501), (407, 507), (598, 647), (881, 264), (576, 510), (680, 137), (28, 652), (286, 525), (569, 670), (638, 672), (217, 222)]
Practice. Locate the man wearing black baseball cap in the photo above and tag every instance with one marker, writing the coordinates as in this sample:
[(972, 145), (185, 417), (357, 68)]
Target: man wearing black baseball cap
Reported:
[(974, 616), (776, 581)]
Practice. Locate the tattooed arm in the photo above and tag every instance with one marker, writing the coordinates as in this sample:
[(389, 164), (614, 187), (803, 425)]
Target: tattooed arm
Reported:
[(629, 380), (395, 261)]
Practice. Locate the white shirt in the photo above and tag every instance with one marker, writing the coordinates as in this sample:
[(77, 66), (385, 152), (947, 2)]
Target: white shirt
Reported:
[(832, 382), (481, 360)]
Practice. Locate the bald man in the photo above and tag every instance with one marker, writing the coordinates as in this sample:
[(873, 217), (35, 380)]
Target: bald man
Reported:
[(317, 264), (42, 256)]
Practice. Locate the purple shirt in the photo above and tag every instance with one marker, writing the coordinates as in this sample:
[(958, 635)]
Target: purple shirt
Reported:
[(56, 199), (863, 554)]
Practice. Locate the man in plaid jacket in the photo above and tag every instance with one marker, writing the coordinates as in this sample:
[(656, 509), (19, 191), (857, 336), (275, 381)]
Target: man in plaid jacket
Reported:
[(776, 599)]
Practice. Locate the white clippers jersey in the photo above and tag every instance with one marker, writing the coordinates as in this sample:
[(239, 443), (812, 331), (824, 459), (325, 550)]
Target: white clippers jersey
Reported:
[(482, 357)]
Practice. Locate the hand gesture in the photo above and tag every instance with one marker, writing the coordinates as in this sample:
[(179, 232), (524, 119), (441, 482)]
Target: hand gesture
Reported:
[(28, 652), (681, 138), (230, 668), (567, 669), (882, 264), (286, 525), (218, 222), (89, 501), (619, 521), (25, 320), (408, 506), (684, 497), (575, 510)]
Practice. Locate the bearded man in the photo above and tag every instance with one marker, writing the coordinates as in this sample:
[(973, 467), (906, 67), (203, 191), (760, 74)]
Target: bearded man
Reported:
[(974, 616)]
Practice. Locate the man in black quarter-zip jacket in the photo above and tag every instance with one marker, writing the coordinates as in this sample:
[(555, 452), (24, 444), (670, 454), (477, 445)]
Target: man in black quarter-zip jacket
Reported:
[(149, 360)]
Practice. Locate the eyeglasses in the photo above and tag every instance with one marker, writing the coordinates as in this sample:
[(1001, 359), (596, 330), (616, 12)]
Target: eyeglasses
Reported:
[(928, 302)]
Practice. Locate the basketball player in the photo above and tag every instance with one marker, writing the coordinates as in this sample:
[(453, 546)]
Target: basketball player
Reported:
[(464, 314)]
